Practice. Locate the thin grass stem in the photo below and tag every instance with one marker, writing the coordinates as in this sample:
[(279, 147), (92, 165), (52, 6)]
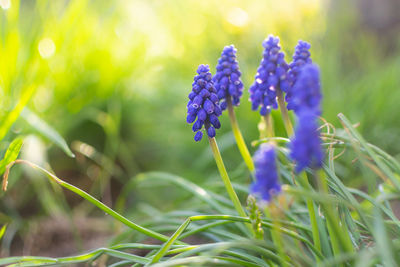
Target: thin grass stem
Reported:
[(170, 242), (89, 198)]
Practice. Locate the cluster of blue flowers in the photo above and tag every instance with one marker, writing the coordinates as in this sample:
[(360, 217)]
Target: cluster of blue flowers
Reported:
[(271, 76), (203, 104), (227, 79), (267, 183), (300, 80), (301, 57)]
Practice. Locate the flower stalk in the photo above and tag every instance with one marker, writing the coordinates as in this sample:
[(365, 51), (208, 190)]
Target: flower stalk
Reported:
[(266, 127), (285, 114), (270, 211), (269, 125), (227, 182), (238, 137)]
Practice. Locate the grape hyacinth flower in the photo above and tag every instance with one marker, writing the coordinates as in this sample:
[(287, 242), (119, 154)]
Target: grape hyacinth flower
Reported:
[(305, 147), (203, 104), (271, 76), (301, 57), (227, 79), (267, 183), (229, 90), (307, 90)]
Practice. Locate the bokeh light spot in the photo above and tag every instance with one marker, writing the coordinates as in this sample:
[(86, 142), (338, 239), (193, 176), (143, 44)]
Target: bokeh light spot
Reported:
[(5, 4), (237, 17), (46, 48)]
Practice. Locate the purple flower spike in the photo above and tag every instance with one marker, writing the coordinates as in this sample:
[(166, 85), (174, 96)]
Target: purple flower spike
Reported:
[(307, 90), (267, 183), (203, 104), (305, 147), (227, 79), (271, 76), (301, 58)]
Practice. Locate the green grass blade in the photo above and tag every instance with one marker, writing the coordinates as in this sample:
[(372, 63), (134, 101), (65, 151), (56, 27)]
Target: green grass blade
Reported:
[(12, 116), (383, 243), (171, 241), (46, 130), (204, 260), (31, 259), (121, 263), (203, 228), (37, 261), (251, 248), (11, 154), (3, 231), (346, 123), (187, 185), (92, 200)]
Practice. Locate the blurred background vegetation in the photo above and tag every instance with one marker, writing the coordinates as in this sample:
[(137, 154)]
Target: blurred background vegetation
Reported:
[(112, 78)]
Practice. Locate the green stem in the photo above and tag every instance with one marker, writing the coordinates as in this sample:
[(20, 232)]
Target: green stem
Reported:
[(89, 198), (227, 182), (269, 125), (277, 238), (170, 242), (239, 138), (337, 234), (262, 128), (313, 217), (266, 127), (285, 114)]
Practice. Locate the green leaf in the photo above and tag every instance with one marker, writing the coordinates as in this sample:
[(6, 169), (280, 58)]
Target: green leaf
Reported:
[(11, 154), (170, 242), (95, 202), (12, 116), (68, 261), (3, 231), (383, 242), (46, 130), (184, 183), (353, 133)]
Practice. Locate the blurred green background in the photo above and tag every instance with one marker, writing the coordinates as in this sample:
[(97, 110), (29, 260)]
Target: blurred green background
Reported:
[(112, 77)]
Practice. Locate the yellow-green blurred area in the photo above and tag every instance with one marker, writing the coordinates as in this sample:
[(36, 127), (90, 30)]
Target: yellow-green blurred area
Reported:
[(112, 77)]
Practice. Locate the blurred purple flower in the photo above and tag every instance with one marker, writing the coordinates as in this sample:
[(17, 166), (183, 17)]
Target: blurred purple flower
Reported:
[(267, 183), (307, 90), (305, 147)]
